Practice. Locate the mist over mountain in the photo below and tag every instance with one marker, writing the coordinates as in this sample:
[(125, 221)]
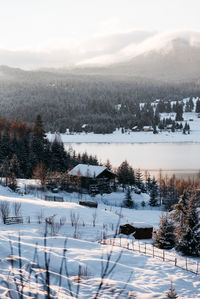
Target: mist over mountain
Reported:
[(168, 57), (171, 56)]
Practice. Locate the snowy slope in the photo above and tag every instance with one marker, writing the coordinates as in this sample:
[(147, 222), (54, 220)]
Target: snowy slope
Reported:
[(150, 277), (140, 137)]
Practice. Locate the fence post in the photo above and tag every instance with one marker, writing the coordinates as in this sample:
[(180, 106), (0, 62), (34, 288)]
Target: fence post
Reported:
[(127, 245), (197, 267), (163, 255), (175, 261)]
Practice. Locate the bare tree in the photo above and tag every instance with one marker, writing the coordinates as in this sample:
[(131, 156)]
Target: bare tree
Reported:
[(94, 217), (4, 210), (17, 209), (40, 172), (40, 217)]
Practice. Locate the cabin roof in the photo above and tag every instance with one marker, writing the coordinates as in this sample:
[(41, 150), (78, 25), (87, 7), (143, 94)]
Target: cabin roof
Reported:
[(86, 170)]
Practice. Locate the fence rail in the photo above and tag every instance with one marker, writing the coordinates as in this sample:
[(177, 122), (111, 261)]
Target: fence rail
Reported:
[(183, 263), (54, 198), (13, 220)]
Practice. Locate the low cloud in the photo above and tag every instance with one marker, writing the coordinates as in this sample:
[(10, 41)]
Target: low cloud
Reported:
[(97, 50), (101, 50)]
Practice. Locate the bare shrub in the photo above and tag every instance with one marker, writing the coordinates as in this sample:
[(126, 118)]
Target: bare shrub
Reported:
[(17, 209), (62, 220), (40, 277), (40, 217), (74, 218), (4, 210), (40, 172), (54, 226), (119, 213), (83, 274), (74, 222), (94, 217)]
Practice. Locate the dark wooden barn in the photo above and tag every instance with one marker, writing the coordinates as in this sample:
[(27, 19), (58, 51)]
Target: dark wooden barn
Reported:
[(96, 179), (138, 231)]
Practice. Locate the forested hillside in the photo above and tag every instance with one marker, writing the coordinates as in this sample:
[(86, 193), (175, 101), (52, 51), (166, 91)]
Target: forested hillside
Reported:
[(71, 100)]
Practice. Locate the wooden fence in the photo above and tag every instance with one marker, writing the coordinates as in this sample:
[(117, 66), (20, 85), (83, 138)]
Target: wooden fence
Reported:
[(54, 198), (13, 220), (184, 263)]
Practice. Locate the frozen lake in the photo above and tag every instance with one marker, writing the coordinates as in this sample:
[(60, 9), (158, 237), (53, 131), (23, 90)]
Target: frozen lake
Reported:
[(183, 159)]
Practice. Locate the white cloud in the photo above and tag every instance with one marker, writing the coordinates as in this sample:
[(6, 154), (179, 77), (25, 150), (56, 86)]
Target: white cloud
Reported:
[(97, 50)]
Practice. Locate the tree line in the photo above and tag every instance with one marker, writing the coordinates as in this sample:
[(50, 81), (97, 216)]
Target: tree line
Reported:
[(181, 228), (24, 148), (88, 103)]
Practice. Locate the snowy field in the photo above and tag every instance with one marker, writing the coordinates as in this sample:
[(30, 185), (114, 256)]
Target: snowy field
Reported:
[(141, 137), (143, 276)]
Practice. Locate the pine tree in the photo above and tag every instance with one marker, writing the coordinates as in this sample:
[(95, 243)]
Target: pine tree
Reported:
[(108, 164), (197, 110), (172, 292), (128, 202), (148, 182), (131, 179), (14, 167), (153, 201), (179, 112), (38, 142), (123, 173), (189, 239), (139, 180), (191, 103), (5, 148), (58, 157), (179, 214), (187, 107), (38, 128), (165, 236)]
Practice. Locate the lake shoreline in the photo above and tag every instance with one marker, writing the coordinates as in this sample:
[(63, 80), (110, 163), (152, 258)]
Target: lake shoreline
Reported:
[(131, 138)]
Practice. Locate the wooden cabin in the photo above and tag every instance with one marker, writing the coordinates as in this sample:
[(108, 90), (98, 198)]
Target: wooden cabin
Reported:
[(97, 179)]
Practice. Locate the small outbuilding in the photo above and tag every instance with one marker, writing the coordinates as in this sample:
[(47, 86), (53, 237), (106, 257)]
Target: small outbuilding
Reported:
[(139, 231), (95, 178), (147, 129)]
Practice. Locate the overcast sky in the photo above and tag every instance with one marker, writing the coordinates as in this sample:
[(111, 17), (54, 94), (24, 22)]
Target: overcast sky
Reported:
[(46, 25)]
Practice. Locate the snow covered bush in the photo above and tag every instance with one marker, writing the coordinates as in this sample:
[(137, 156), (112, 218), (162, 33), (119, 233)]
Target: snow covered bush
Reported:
[(172, 293), (128, 202), (164, 237)]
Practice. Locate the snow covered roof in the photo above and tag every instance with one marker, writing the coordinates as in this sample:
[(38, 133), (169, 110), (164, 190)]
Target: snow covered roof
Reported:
[(84, 126), (86, 170)]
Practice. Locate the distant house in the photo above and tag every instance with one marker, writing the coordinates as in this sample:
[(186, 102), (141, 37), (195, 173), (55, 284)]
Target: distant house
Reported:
[(135, 129), (147, 129), (94, 178)]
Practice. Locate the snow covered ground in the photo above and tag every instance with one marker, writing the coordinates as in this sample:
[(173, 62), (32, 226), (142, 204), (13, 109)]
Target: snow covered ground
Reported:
[(140, 137), (144, 276)]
